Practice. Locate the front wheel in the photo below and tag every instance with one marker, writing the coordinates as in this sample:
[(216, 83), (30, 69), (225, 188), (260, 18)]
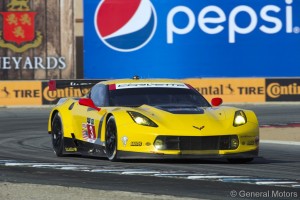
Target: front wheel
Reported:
[(111, 139), (57, 135)]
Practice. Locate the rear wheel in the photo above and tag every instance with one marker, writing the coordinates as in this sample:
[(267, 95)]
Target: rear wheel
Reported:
[(57, 135), (239, 160), (111, 139)]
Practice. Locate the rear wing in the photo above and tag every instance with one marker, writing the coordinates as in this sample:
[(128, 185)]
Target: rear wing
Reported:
[(60, 84)]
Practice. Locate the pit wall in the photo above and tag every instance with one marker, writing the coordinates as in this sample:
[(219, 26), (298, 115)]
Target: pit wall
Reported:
[(231, 90)]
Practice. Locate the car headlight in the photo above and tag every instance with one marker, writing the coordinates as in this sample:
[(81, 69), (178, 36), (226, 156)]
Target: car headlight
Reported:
[(234, 142), (159, 144), (141, 119), (239, 118)]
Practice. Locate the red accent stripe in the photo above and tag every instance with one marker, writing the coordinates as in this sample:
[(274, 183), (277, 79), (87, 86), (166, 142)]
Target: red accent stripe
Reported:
[(112, 87)]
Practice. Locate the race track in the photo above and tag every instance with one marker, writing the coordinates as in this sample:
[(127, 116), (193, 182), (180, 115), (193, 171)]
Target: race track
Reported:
[(26, 156)]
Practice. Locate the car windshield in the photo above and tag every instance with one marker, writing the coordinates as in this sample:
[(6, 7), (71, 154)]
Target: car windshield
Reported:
[(135, 97)]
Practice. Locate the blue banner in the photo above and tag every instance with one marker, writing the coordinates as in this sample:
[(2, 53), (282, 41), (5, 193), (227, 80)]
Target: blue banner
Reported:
[(190, 39)]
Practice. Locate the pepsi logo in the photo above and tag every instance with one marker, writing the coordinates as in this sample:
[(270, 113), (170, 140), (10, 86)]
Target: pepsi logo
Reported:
[(125, 25)]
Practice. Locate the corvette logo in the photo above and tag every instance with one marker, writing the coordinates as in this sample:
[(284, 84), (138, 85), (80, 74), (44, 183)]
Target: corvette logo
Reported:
[(199, 128), (18, 32)]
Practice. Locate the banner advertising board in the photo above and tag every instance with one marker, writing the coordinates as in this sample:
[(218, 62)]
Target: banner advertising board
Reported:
[(20, 93), (282, 90), (27, 50), (191, 39), (65, 88), (231, 90)]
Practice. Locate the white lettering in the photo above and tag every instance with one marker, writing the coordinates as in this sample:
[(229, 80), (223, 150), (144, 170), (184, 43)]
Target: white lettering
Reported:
[(202, 20), (32, 63), (234, 28), (6, 63), (17, 62), (51, 62), (171, 26), (28, 64), (264, 15), (38, 62), (289, 17), (212, 20), (62, 62)]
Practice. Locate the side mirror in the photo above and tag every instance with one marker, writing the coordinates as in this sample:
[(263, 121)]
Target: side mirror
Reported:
[(216, 101), (88, 102)]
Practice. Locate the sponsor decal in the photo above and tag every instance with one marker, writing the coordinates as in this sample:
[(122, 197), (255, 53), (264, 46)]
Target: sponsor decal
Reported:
[(282, 89), (125, 25), (85, 134), (20, 93), (91, 128), (149, 85), (70, 149), (124, 140), (148, 143), (88, 131), (136, 144)]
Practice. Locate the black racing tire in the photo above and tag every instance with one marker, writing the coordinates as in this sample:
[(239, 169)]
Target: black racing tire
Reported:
[(57, 135), (239, 160), (111, 146)]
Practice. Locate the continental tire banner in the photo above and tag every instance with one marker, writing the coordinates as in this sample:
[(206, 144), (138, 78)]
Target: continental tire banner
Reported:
[(66, 88), (20, 93), (235, 90), (231, 90), (282, 90)]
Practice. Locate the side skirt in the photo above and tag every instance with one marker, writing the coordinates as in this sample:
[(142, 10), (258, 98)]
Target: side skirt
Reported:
[(78, 147)]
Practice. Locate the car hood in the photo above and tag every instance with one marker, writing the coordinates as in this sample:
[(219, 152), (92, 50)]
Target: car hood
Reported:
[(186, 117)]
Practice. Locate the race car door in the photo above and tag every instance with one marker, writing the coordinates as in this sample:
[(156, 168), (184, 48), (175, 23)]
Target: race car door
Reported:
[(92, 119)]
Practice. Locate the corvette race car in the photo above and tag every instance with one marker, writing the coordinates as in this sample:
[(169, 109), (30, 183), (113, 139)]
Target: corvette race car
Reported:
[(152, 118)]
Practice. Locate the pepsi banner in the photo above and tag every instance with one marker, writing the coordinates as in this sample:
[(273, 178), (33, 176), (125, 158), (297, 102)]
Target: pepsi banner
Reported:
[(191, 39)]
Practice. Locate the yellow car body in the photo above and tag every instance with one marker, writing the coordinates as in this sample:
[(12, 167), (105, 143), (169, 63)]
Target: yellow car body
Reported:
[(78, 126)]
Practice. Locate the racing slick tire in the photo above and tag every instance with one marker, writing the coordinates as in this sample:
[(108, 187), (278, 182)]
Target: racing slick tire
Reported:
[(57, 135), (239, 160), (111, 139)]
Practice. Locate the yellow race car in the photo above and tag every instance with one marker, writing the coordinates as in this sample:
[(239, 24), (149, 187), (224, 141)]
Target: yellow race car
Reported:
[(152, 118)]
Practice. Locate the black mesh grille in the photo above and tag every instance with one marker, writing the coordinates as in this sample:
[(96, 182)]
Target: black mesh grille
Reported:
[(196, 143)]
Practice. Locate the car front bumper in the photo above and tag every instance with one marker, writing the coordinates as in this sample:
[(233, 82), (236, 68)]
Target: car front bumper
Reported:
[(187, 155)]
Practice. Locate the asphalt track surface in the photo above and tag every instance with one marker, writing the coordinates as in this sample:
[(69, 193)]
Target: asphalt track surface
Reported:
[(26, 157)]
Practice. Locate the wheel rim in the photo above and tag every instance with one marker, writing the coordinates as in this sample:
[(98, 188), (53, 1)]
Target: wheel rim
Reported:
[(56, 133), (111, 142)]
